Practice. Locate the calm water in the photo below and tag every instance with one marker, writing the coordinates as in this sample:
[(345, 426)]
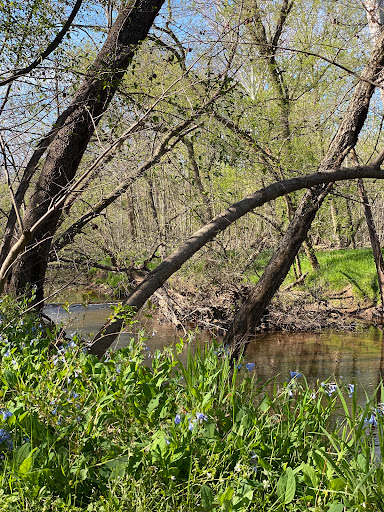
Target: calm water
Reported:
[(348, 357)]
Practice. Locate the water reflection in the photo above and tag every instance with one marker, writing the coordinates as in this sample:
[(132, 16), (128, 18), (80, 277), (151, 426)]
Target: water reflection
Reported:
[(347, 357)]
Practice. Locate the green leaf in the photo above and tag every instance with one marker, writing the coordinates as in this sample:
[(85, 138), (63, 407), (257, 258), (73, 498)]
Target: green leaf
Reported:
[(206, 496), (336, 507), (209, 431), (310, 476), (286, 486), (337, 484)]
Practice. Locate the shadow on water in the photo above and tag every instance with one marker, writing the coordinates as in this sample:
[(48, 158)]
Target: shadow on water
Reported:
[(348, 357)]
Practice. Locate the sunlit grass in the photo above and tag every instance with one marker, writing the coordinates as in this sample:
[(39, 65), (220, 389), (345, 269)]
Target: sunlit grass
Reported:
[(339, 269)]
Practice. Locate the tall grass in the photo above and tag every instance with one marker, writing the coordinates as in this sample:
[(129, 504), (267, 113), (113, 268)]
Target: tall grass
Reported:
[(81, 434)]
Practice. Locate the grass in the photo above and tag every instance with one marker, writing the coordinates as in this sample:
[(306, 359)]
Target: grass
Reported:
[(339, 269), (79, 434)]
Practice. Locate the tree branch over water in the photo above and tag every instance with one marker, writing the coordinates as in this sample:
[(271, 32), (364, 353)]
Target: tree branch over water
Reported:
[(155, 279)]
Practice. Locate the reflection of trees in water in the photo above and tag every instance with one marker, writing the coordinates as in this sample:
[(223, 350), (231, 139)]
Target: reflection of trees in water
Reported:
[(380, 397), (348, 357)]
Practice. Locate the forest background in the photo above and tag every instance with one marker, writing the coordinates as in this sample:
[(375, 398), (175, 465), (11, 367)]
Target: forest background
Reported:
[(217, 101)]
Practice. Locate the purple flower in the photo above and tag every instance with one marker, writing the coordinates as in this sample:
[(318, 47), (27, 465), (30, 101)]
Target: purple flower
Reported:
[(250, 366), (190, 426), (167, 441), (351, 389), (201, 417), (295, 375), (177, 419)]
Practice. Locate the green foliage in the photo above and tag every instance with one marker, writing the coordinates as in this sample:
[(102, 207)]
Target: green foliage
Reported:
[(354, 268), (77, 433)]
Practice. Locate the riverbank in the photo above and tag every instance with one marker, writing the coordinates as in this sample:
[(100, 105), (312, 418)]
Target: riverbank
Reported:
[(341, 294)]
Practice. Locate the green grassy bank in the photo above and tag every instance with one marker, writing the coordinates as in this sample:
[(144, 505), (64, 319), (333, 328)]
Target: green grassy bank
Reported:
[(117, 435), (339, 269)]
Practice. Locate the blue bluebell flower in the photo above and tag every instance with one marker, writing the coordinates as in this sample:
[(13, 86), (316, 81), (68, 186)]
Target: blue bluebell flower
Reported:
[(238, 366), (295, 375), (351, 390), (201, 417), (372, 420), (177, 419), (75, 395), (6, 414), (329, 388), (167, 441), (190, 426), (250, 366), (5, 437)]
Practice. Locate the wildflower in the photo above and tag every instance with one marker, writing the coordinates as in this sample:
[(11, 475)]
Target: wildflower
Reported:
[(167, 441), (190, 426), (351, 390), (329, 388), (5, 437), (177, 419), (118, 369), (75, 395), (250, 366), (7, 354), (372, 421), (295, 375), (6, 414), (239, 366), (54, 412), (201, 417), (313, 396)]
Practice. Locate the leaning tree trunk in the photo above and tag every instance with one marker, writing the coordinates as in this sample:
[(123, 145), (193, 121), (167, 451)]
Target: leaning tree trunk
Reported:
[(155, 279), (68, 146), (345, 139)]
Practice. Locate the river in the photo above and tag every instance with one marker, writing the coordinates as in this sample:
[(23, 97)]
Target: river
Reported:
[(348, 357)]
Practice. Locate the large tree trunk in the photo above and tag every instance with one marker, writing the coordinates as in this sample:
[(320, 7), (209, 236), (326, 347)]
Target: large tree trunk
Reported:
[(68, 146), (345, 139)]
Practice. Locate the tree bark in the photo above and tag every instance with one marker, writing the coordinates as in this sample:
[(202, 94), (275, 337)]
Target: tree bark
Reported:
[(155, 279), (67, 148), (345, 139)]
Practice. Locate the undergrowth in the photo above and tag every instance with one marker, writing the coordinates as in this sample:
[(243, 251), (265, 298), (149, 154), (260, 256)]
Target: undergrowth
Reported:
[(77, 433)]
